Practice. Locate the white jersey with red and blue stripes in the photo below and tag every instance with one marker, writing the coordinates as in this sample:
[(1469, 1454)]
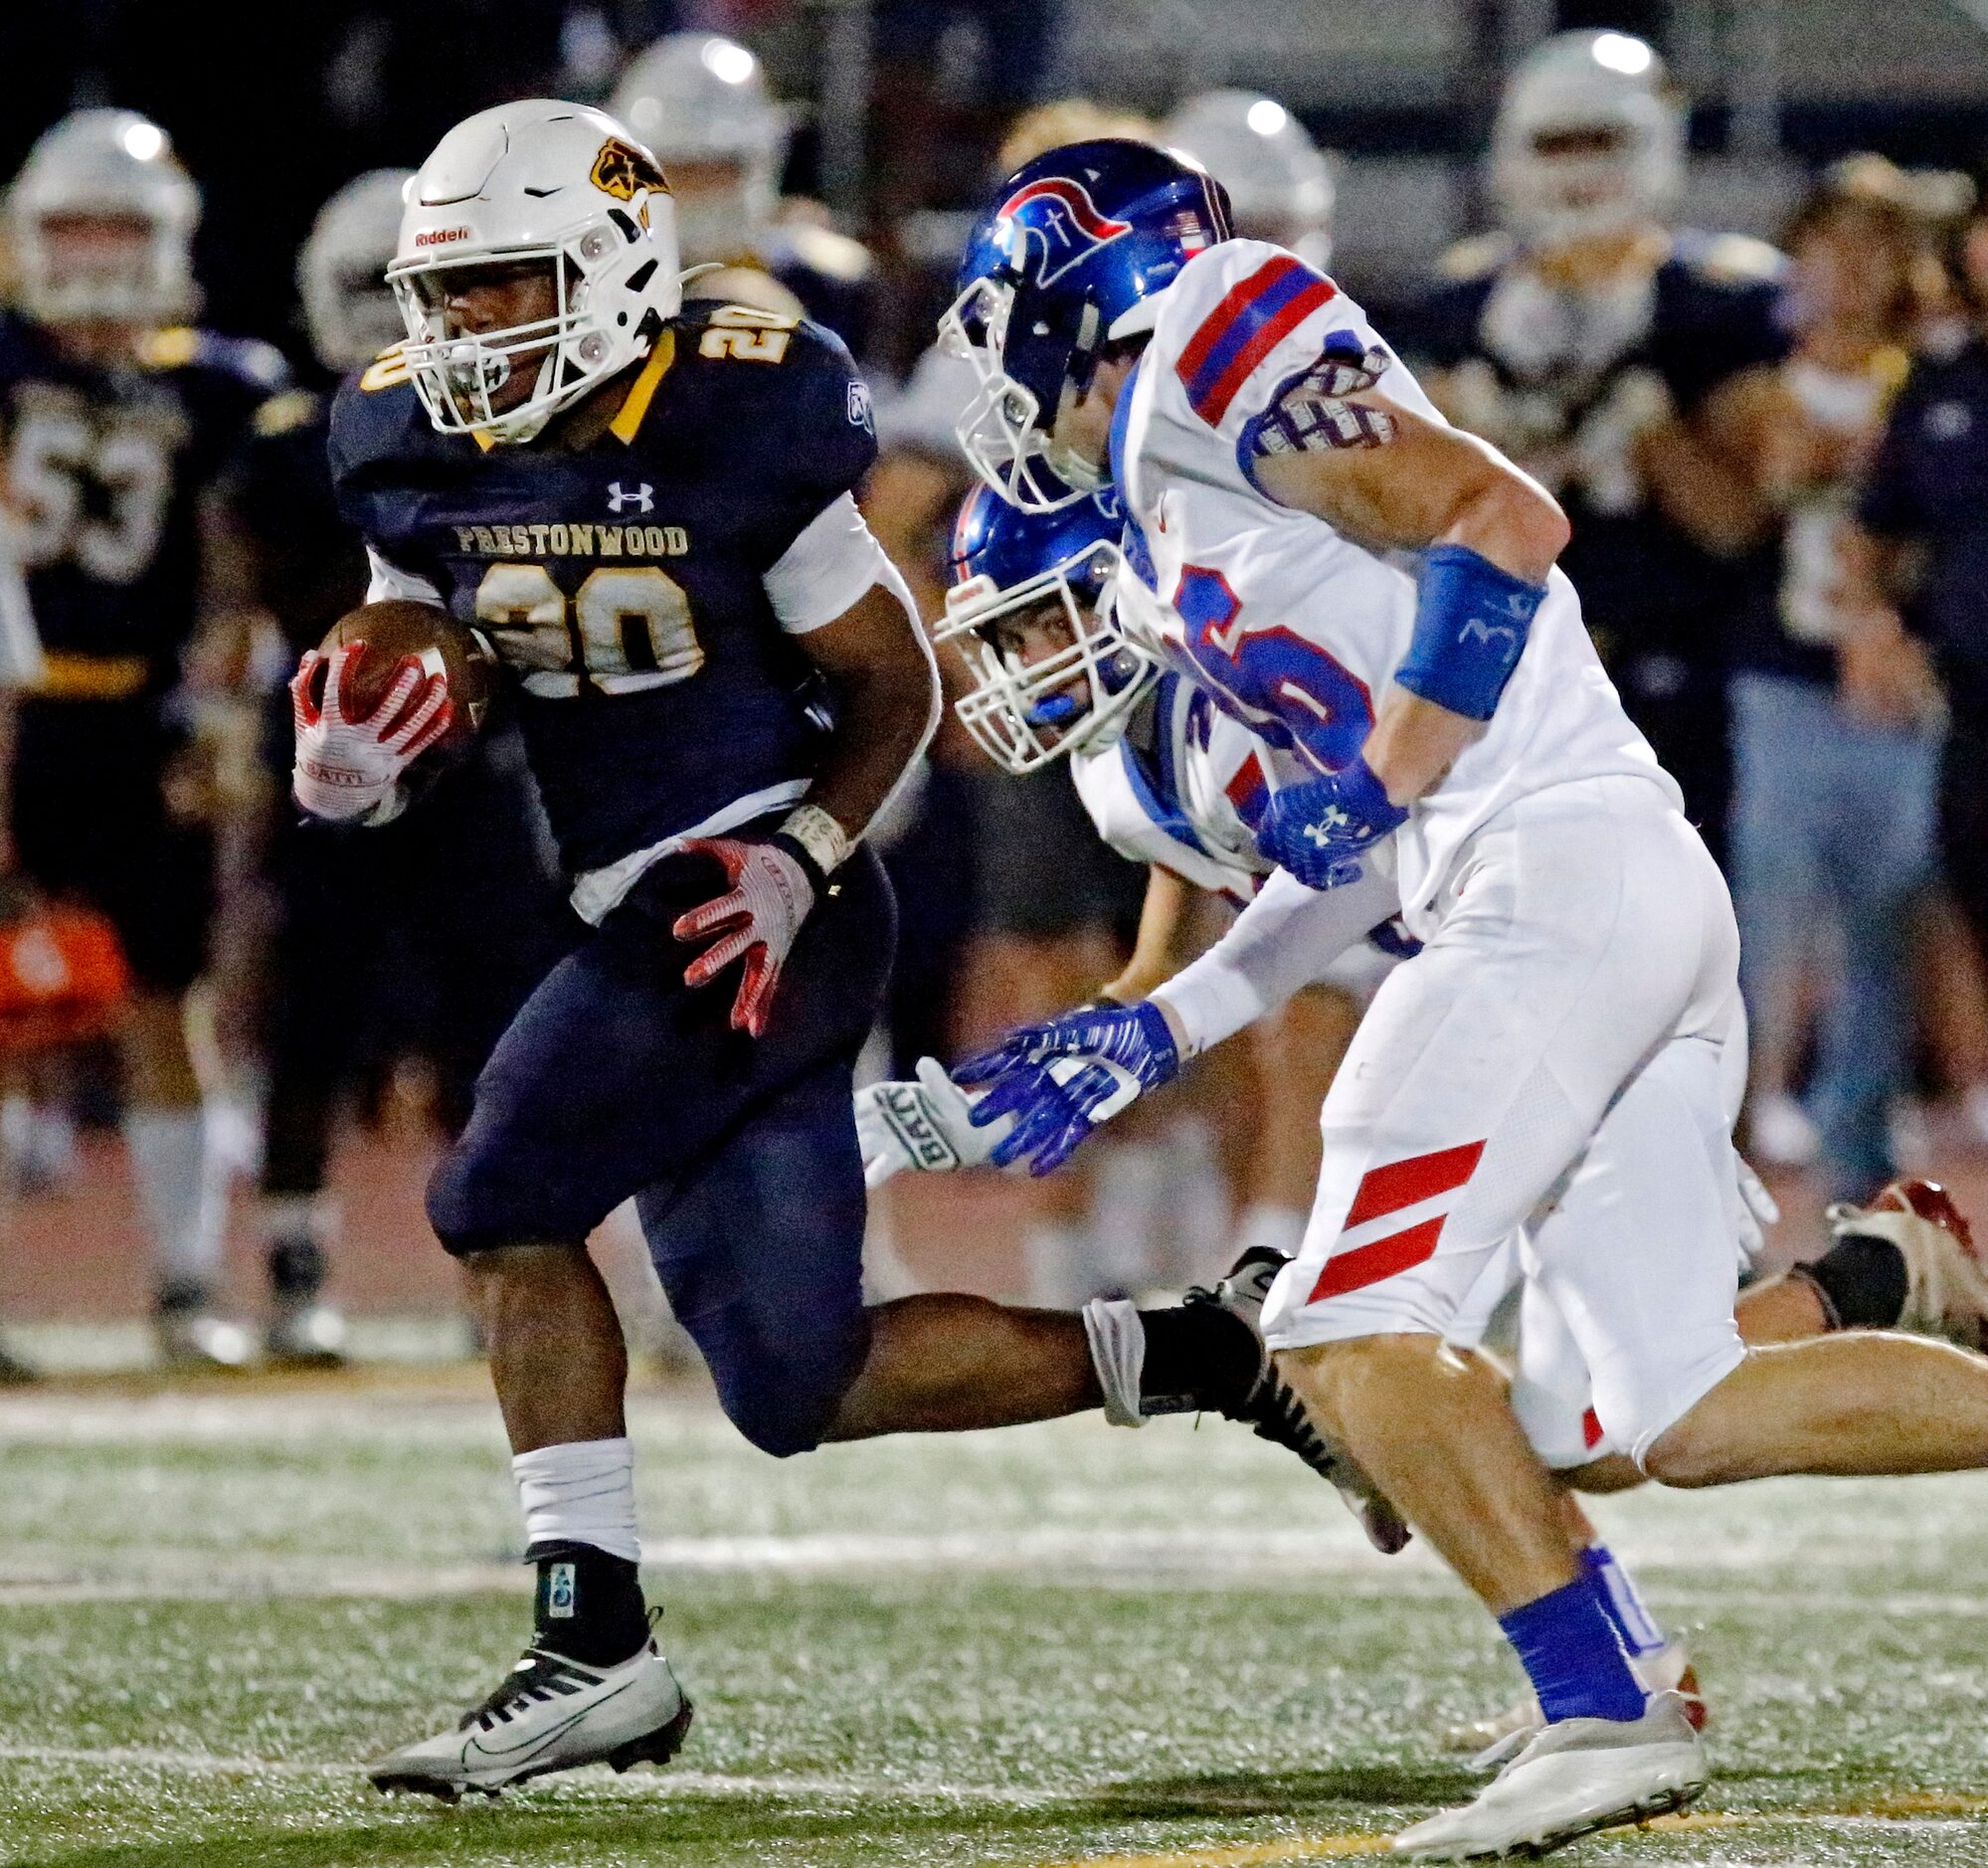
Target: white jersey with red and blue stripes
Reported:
[(1294, 628), (1182, 787)]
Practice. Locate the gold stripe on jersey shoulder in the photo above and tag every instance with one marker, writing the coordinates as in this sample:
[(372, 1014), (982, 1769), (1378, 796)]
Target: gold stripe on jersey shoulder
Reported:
[(387, 369), (642, 391), (170, 349)]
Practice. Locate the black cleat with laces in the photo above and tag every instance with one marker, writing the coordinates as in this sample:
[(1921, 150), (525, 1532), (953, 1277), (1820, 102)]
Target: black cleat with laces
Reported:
[(1273, 1408), (549, 1713)]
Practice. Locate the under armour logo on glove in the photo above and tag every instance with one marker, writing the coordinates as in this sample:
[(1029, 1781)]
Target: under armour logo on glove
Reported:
[(1310, 413), (349, 766), (771, 896), (1319, 828)]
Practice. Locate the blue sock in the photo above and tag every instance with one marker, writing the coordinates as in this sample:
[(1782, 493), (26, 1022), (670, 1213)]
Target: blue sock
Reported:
[(1573, 1656), (1624, 1601)]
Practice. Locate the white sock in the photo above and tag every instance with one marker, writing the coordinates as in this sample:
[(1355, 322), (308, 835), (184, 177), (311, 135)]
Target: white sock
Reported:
[(1118, 1353), (582, 1492), (183, 1188), (1280, 1229), (1626, 1607)]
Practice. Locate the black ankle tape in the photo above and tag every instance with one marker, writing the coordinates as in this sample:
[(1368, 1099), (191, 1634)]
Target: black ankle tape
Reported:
[(589, 1604), (1198, 1356), (1863, 1282)]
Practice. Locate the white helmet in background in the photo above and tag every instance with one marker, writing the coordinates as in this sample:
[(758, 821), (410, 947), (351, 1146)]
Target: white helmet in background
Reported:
[(537, 180), (1589, 139), (1280, 183), (106, 165), (700, 102), (341, 270)]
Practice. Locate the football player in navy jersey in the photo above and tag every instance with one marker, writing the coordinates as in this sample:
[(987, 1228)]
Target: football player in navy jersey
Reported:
[(119, 419), (1602, 351), (700, 103), (719, 682), (459, 894)]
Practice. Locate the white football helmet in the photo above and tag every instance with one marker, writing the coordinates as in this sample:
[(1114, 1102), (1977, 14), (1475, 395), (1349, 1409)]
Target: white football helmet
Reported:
[(1589, 139), (1280, 183), (700, 99), (341, 270), (105, 163), (536, 180)]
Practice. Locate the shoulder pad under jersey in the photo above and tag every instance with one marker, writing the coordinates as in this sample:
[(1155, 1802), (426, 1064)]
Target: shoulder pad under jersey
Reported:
[(1732, 259), (247, 360), (820, 249), (286, 411), (1476, 257)]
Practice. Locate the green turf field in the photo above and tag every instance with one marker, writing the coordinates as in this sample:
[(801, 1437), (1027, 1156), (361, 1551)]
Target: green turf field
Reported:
[(1066, 1644)]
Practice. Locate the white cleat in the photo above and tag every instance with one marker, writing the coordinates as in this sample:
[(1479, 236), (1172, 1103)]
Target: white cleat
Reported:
[(306, 1336), (1494, 1739), (550, 1714), (1946, 1279), (192, 1341), (1574, 1778)]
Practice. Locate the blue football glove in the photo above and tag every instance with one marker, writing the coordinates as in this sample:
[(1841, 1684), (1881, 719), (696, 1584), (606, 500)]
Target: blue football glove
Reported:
[(1060, 1079), (1318, 830)]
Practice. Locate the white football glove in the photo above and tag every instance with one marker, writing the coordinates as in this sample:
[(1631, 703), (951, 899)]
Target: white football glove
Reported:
[(921, 1126), (348, 770)]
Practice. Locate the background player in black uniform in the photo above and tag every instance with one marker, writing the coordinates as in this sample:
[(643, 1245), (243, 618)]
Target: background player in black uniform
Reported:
[(118, 422), (1593, 345), (438, 926), (719, 682)]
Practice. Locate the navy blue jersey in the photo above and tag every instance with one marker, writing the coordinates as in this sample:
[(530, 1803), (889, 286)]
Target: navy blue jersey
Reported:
[(106, 466), (1927, 486), (620, 581), (1644, 585), (309, 563)]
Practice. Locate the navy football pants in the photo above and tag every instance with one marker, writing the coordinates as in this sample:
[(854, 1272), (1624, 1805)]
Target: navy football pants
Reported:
[(618, 1079)]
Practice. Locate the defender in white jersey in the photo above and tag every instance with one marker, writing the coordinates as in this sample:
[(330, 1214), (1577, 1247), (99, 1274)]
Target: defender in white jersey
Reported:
[(1374, 592)]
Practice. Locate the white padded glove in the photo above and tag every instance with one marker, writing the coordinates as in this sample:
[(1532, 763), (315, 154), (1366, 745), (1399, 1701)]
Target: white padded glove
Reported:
[(921, 1126), (348, 768)]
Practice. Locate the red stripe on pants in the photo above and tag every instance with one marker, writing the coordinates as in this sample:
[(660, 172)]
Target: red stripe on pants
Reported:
[(1402, 1182), (1368, 1264)]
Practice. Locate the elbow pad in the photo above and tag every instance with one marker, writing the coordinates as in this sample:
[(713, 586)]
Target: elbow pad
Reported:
[(1471, 624)]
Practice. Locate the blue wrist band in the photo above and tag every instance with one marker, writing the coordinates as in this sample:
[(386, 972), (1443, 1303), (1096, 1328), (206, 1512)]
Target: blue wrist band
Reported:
[(1471, 624)]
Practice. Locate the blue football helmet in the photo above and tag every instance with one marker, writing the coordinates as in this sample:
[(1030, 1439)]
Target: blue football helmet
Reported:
[(1077, 243), (1006, 565)]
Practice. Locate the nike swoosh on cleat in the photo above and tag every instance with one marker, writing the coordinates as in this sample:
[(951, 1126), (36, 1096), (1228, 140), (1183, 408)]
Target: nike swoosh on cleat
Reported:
[(512, 1754)]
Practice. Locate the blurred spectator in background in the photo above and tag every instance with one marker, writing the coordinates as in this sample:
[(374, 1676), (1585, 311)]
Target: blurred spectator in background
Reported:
[(1917, 566), (1596, 347), (436, 926), (119, 420), (700, 103), (1279, 181), (1834, 757)]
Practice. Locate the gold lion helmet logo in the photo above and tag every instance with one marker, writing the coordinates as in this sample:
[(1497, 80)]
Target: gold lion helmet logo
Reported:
[(624, 171)]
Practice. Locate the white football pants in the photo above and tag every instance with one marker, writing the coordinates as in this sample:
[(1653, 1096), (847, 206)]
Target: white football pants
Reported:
[(1552, 1065)]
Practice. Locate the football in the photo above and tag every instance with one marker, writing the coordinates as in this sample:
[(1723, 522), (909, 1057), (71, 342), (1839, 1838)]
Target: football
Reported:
[(398, 629)]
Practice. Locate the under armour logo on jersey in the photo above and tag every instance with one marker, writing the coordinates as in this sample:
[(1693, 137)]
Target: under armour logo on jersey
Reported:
[(1058, 215), (641, 499)]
